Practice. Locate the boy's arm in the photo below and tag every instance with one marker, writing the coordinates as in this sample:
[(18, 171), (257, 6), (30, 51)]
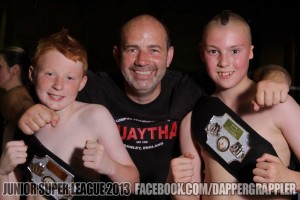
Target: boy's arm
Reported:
[(270, 169), (108, 154), (186, 168), (13, 154), (272, 87)]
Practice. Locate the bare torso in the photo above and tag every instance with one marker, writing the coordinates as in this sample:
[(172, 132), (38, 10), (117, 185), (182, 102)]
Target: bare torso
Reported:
[(262, 122), (67, 140)]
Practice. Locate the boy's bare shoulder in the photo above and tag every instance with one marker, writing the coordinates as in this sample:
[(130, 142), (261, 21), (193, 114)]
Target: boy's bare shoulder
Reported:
[(287, 106), (90, 111), (285, 112)]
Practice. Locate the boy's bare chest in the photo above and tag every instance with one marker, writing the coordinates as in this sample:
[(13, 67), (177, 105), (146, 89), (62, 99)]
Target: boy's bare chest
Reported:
[(66, 143)]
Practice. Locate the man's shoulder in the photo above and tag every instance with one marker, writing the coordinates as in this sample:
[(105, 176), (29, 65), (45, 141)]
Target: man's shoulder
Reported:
[(177, 77), (113, 78), (102, 75), (174, 74), (182, 81), (99, 86)]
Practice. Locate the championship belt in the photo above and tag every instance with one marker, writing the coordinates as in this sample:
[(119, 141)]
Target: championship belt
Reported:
[(48, 172), (229, 139)]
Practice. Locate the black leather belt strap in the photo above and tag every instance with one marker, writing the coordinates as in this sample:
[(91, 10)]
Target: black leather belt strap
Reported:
[(37, 150), (208, 107)]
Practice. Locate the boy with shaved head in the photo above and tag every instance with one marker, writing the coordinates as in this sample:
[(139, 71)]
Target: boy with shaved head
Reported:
[(253, 148)]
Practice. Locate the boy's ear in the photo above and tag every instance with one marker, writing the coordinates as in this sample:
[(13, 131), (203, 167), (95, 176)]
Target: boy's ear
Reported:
[(200, 46), (251, 55), (30, 73), (83, 82)]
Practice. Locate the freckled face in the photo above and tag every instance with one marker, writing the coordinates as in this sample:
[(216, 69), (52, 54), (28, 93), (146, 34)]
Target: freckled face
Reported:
[(57, 80), (226, 52)]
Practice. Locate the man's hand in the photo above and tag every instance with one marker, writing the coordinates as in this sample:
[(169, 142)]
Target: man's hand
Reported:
[(37, 117), (273, 83)]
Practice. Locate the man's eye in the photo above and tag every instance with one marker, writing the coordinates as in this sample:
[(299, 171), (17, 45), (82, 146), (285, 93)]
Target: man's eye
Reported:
[(154, 50), (131, 50), (70, 78)]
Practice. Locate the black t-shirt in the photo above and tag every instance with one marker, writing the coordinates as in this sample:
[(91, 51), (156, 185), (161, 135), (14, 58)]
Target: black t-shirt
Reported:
[(148, 131)]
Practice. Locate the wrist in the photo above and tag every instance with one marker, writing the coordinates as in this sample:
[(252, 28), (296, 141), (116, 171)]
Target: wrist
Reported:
[(3, 173)]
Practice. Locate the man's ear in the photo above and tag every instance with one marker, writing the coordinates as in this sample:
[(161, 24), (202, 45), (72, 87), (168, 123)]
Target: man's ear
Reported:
[(170, 55), (31, 73), (116, 54)]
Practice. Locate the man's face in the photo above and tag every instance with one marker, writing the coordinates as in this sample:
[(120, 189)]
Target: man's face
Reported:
[(143, 59)]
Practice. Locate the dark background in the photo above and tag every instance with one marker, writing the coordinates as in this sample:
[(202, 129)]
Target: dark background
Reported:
[(275, 27)]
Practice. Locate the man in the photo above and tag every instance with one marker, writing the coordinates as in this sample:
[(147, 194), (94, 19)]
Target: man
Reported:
[(148, 101)]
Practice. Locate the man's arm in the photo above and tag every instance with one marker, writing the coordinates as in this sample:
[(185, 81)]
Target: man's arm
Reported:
[(272, 72), (17, 106), (273, 82)]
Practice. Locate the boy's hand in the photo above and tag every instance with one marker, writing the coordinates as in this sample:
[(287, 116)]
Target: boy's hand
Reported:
[(182, 168), (270, 168), (95, 157), (37, 117), (13, 155)]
